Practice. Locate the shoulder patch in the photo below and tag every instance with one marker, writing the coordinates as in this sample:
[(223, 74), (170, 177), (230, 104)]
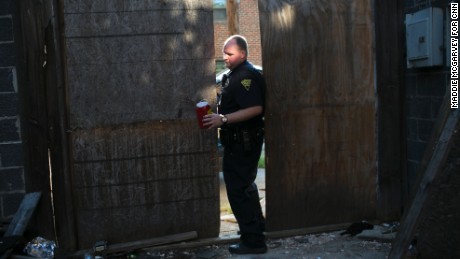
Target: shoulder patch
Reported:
[(246, 83)]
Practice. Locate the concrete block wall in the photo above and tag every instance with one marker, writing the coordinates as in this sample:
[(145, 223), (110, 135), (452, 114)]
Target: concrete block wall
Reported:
[(424, 95), (424, 91), (11, 154)]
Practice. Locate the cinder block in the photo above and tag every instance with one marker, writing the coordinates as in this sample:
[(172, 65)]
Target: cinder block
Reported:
[(11, 203), (6, 29), (431, 84), (11, 155), (6, 80), (415, 150), (12, 179), (8, 105), (425, 129), (7, 55), (412, 129), (9, 129), (6, 7)]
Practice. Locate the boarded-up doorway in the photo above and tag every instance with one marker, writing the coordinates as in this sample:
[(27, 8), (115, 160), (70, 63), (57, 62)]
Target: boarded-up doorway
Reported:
[(122, 78), (320, 119), (139, 165)]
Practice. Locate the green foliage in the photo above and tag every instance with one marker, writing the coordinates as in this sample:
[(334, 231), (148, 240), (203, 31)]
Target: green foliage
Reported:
[(226, 209), (262, 161)]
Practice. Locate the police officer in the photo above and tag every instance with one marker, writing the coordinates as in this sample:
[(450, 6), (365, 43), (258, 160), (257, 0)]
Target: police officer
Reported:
[(240, 118)]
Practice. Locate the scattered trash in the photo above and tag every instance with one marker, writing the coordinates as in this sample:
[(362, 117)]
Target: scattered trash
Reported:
[(40, 247), (390, 227), (357, 228), (274, 244), (209, 254), (302, 239), (308, 246), (412, 250), (100, 246)]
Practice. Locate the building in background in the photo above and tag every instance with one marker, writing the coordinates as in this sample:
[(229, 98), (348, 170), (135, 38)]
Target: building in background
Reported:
[(247, 19)]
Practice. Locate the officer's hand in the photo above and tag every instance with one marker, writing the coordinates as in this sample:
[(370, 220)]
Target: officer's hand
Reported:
[(212, 121)]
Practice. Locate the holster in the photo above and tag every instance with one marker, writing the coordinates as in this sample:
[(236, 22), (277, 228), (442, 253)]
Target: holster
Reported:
[(227, 136), (249, 138)]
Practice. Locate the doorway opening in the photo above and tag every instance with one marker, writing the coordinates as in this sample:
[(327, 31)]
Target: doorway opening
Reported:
[(226, 21)]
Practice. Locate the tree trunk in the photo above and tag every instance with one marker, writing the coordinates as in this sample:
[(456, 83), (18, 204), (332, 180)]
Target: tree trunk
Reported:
[(232, 16)]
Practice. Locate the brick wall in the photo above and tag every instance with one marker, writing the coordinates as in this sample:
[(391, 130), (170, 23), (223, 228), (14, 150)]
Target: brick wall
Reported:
[(424, 91), (250, 28), (220, 35), (248, 18), (11, 158)]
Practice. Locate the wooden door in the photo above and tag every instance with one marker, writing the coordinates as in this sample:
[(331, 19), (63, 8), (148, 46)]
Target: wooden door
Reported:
[(140, 166), (34, 84), (321, 117)]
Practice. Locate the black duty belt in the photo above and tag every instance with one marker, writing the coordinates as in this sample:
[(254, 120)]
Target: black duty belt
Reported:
[(245, 136)]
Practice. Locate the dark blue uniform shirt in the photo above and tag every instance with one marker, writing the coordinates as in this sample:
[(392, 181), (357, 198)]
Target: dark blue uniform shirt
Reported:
[(243, 87)]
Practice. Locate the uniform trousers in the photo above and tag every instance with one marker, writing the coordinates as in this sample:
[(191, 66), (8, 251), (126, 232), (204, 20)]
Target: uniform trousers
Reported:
[(240, 171)]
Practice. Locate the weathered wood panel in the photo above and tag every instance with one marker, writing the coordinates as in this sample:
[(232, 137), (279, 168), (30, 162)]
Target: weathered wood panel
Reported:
[(165, 66), (88, 6), (389, 44), (134, 71), (320, 120), (33, 17), (437, 234), (433, 216), (115, 93), (160, 174), (121, 23)]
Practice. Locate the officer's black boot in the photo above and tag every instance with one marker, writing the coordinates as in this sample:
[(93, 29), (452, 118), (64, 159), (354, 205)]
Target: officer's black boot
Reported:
[(250, 244)]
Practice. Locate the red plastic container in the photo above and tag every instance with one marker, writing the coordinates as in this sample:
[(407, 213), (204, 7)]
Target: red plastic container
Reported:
[(202, 108)]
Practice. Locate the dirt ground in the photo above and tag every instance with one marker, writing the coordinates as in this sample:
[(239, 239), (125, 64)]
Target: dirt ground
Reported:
[(314, 246)]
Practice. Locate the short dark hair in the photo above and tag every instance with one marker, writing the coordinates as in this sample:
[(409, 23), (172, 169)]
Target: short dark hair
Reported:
[(241, 42)]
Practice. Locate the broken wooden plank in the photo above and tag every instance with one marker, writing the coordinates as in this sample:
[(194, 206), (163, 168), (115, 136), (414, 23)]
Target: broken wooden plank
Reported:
[(152, 242), (235, 238), (130, 246), (433, 168), (304, 231), (23, 214), (22, 257), (19, 223), (8, 243)]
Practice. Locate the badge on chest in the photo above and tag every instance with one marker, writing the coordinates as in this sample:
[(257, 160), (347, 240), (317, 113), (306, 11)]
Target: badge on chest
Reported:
[(246, 83)]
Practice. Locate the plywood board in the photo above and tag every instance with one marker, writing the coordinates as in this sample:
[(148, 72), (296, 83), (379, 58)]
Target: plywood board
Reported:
[(320, 120), (141, 167), (154, 179)]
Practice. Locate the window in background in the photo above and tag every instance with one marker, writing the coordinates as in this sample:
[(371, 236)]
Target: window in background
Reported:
[(220, 12)]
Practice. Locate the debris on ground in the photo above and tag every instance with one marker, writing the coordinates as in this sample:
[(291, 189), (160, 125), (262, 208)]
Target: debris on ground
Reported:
[(321, 245), (40, 247)]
